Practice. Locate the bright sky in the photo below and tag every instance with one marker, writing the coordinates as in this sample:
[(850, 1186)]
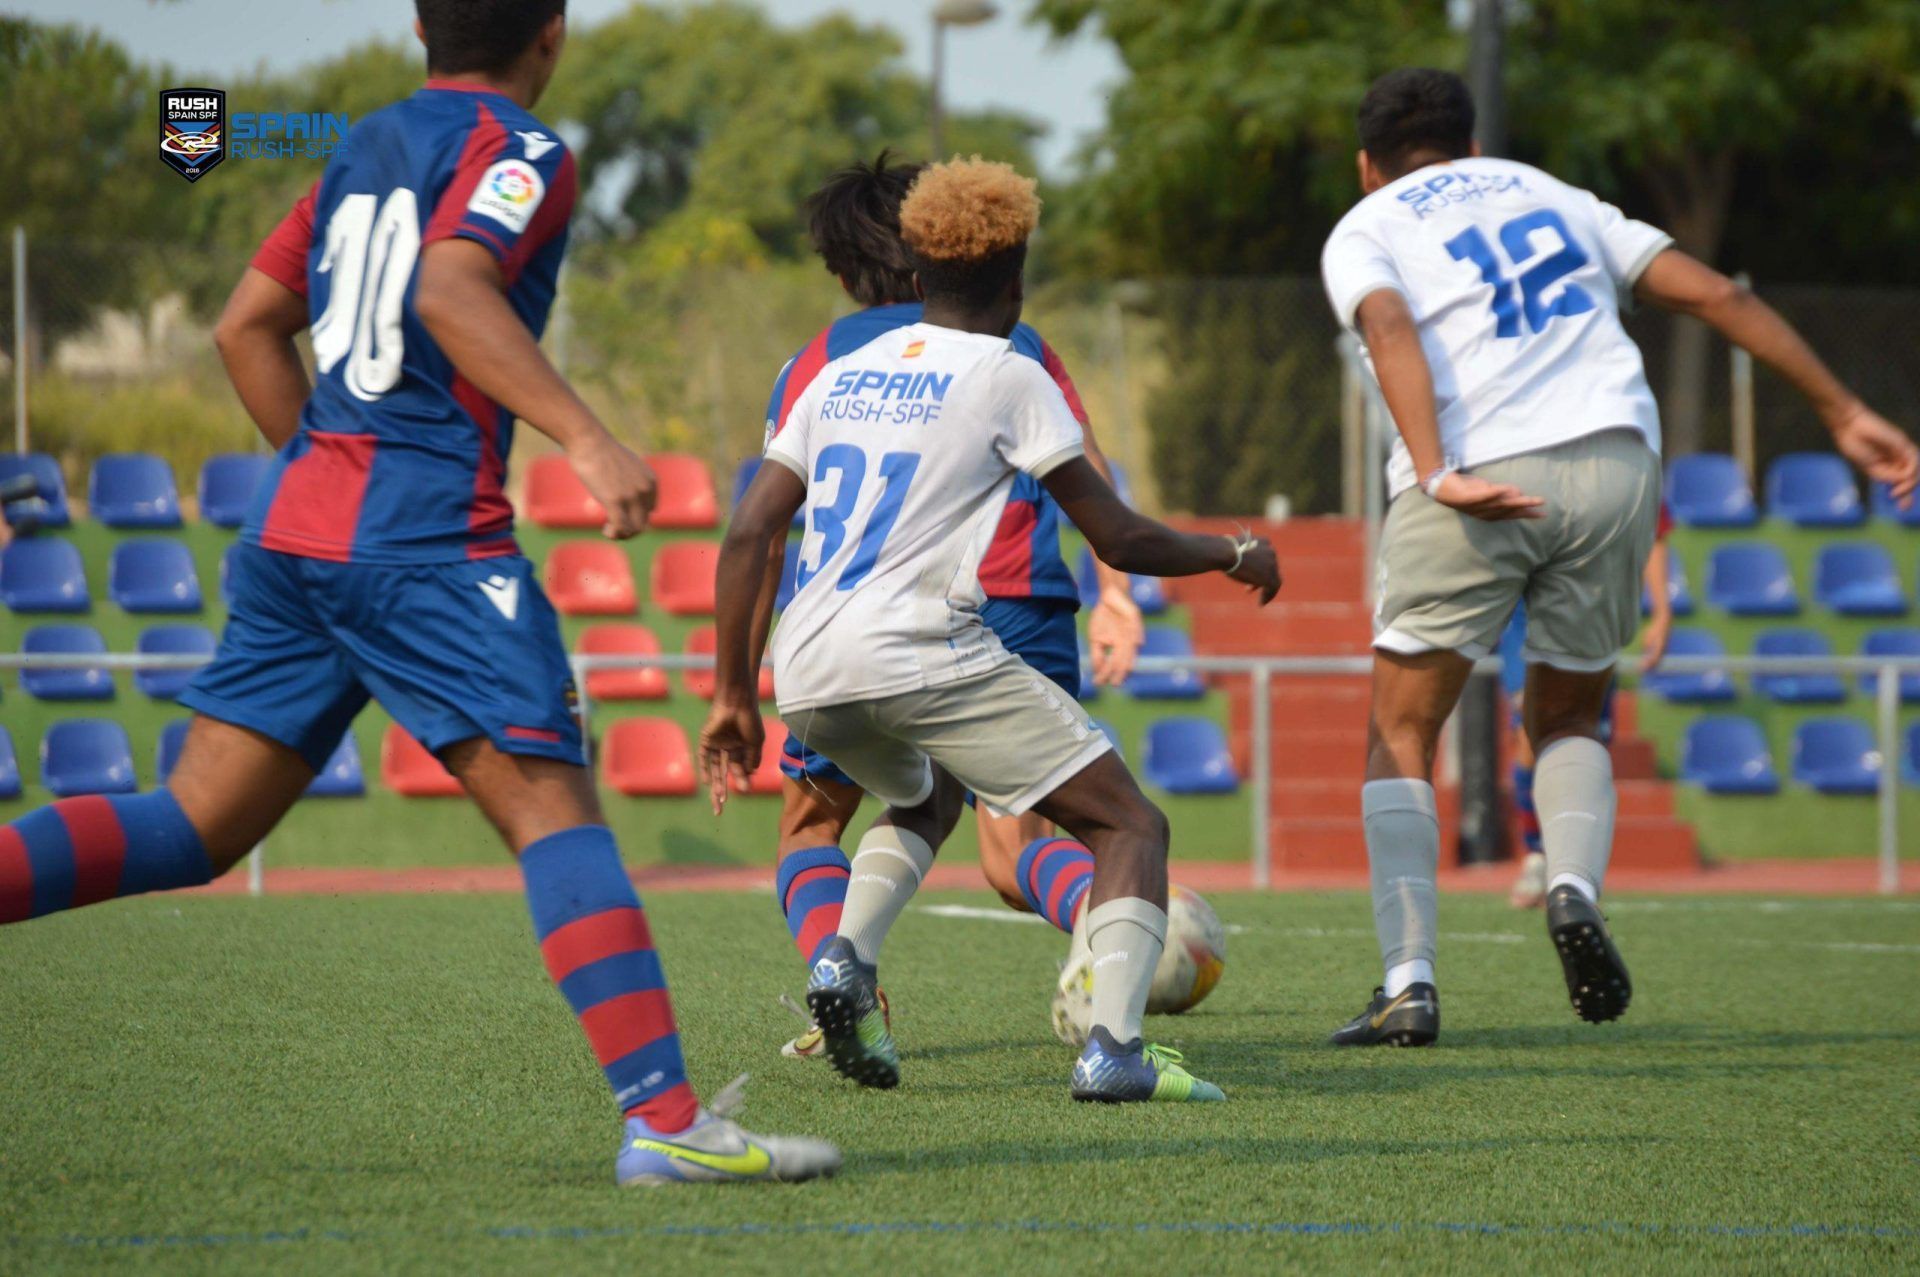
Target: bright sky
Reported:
[(1004, 63)]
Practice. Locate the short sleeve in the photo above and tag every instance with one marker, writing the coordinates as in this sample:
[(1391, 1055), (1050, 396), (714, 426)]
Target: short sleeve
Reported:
[(1038, 432), (1628, 246), (512, 191), (1353, 264), (1030, 343), (789, 444), (283, 254)]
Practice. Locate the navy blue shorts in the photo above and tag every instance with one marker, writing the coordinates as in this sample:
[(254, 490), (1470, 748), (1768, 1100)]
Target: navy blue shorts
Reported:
[(1040, 632), (451, 650)]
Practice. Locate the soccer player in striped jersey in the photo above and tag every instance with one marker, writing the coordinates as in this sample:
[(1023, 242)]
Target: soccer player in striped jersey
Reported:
[(379, 560), (1031, 598)]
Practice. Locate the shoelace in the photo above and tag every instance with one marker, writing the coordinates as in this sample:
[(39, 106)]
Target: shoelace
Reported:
[(1163, 1057), (731, 1099)]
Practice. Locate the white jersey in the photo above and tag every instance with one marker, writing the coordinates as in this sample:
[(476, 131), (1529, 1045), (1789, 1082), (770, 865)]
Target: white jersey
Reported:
[(908, 447), (1516, 280)]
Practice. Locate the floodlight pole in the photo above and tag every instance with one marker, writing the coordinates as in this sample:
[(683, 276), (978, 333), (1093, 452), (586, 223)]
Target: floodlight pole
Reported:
[(1487, 74), (20, 339), (949, 13)]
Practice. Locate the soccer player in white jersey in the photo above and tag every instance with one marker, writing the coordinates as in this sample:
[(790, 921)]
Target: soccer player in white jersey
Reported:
[(903, 454), (1487, 295)]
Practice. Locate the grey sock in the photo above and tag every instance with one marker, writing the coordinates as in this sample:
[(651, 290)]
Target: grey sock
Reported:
[(1403, 852), (1125, 937), (1573, 792), (886, 871)]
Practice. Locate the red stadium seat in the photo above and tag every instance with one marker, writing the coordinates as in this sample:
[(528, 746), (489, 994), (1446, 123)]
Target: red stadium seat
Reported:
[(410, 771), (557, 499), (766, 777), (622, 639), (687, 495), (592, 578), (701, 682), (683, 577), (647, 758)]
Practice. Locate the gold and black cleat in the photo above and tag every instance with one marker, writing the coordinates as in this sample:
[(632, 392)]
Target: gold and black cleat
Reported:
[(1597, 982), (1410, 1018)]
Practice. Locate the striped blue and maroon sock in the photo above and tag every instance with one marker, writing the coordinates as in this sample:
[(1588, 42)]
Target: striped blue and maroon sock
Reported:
[(593, 935), (812, 889), (81, 851), (1523, 800), (1055, 876)]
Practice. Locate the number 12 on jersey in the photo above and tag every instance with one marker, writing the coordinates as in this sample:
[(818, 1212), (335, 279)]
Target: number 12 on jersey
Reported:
[(830, 521), (1516, 237)]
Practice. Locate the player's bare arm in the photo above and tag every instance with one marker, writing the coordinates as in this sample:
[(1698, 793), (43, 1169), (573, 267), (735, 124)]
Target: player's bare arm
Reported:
[(763, 606), (461, 299), (1115, 629), (255, 338), (1132, 542), (734, 735), (1876, 447), (1659, 627), (1387, 325)]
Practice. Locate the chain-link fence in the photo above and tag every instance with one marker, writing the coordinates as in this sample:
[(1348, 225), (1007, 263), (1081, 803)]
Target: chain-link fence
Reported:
[(1217, 395)]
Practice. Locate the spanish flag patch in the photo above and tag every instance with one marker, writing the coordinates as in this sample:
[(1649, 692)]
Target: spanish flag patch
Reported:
[(913, 350)]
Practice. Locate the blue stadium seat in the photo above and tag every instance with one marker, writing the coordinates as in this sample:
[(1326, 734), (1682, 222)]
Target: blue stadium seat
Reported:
[(1858, 579), (1189, 756), (65, 685), (1707, 490), (53, 484), (87, 756), (1679, 590), (789, 577), (1910, 760), (1892, 643), (341, 777), (166, 751), (1885, 508), (43, 574), (1180, 685), (1149, 592), (154, 574), (1751, 578), (1814, 490), (1692, 689), (1798, 689), (1113, 734), (1836, 756), (9, 766), (133, 490), (227, 485), (171, 640), (1728, 754)]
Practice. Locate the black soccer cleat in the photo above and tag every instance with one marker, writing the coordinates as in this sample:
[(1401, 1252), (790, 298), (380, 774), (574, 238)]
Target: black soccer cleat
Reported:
[(1597, 981), (1410, 1019)]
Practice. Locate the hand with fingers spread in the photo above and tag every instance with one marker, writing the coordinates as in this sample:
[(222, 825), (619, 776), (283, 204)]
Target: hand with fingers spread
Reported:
[(1492, 502), (730, 746), (1878, 449), (619, 479), (1114, 635)]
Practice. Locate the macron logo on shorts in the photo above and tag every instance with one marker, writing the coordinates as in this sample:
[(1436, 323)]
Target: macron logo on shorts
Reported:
[(503, 592)]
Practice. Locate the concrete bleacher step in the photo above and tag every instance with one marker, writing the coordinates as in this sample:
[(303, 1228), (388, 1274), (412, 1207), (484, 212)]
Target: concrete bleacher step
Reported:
[(1322, 537), (1295, 629), (1303, 579), (1634, 758)]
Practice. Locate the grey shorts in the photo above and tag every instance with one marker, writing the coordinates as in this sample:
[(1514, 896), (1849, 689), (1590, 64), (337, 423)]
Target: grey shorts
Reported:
[(1449, 582), (1010, 735)]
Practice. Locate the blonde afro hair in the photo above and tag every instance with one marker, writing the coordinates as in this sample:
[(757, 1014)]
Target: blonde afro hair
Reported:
[(968, 210)]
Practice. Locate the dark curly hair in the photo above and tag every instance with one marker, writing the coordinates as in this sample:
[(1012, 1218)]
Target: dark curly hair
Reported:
[(1416, 111), (487, 36), (854, 219)]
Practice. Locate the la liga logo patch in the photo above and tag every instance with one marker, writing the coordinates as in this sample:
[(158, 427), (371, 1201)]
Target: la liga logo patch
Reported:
[(193, 130), (509, 193)]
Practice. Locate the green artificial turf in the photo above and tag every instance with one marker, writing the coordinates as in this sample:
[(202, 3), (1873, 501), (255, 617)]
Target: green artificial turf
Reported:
[(384, 829), (390, 1085)]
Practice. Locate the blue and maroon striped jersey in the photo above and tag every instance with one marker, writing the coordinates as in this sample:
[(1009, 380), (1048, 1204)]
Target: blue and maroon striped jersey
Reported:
[(1023, 562), (399, 459)]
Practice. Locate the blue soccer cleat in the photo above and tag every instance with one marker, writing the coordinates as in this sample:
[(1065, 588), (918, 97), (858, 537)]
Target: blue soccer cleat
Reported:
[(845, 1000), (1127, 1073), (714, 1150)]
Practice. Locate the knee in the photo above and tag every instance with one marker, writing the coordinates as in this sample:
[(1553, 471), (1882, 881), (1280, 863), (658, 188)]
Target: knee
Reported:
[(1401, 747)]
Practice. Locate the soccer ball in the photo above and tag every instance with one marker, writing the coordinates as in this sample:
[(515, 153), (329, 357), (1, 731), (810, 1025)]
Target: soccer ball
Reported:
[(1195, 956), (1190, 965)]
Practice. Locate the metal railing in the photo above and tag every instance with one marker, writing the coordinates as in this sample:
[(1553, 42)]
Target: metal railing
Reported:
[(1260, 670)]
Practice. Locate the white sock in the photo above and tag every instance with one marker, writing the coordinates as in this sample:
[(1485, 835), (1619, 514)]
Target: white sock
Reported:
[(1573, 792), (1125, 937), (1402, 974), (1578, 883), (886, 871), (1403, 853)]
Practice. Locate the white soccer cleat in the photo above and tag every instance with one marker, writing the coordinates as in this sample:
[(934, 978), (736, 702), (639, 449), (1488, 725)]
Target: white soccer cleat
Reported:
[(1530, 888), (1073, 996), (714, 1150)]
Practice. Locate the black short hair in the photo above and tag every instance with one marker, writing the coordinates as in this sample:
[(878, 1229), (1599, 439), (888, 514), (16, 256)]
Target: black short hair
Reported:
[(854, 219), (481, 35), (1412, 111), (974, 284)]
